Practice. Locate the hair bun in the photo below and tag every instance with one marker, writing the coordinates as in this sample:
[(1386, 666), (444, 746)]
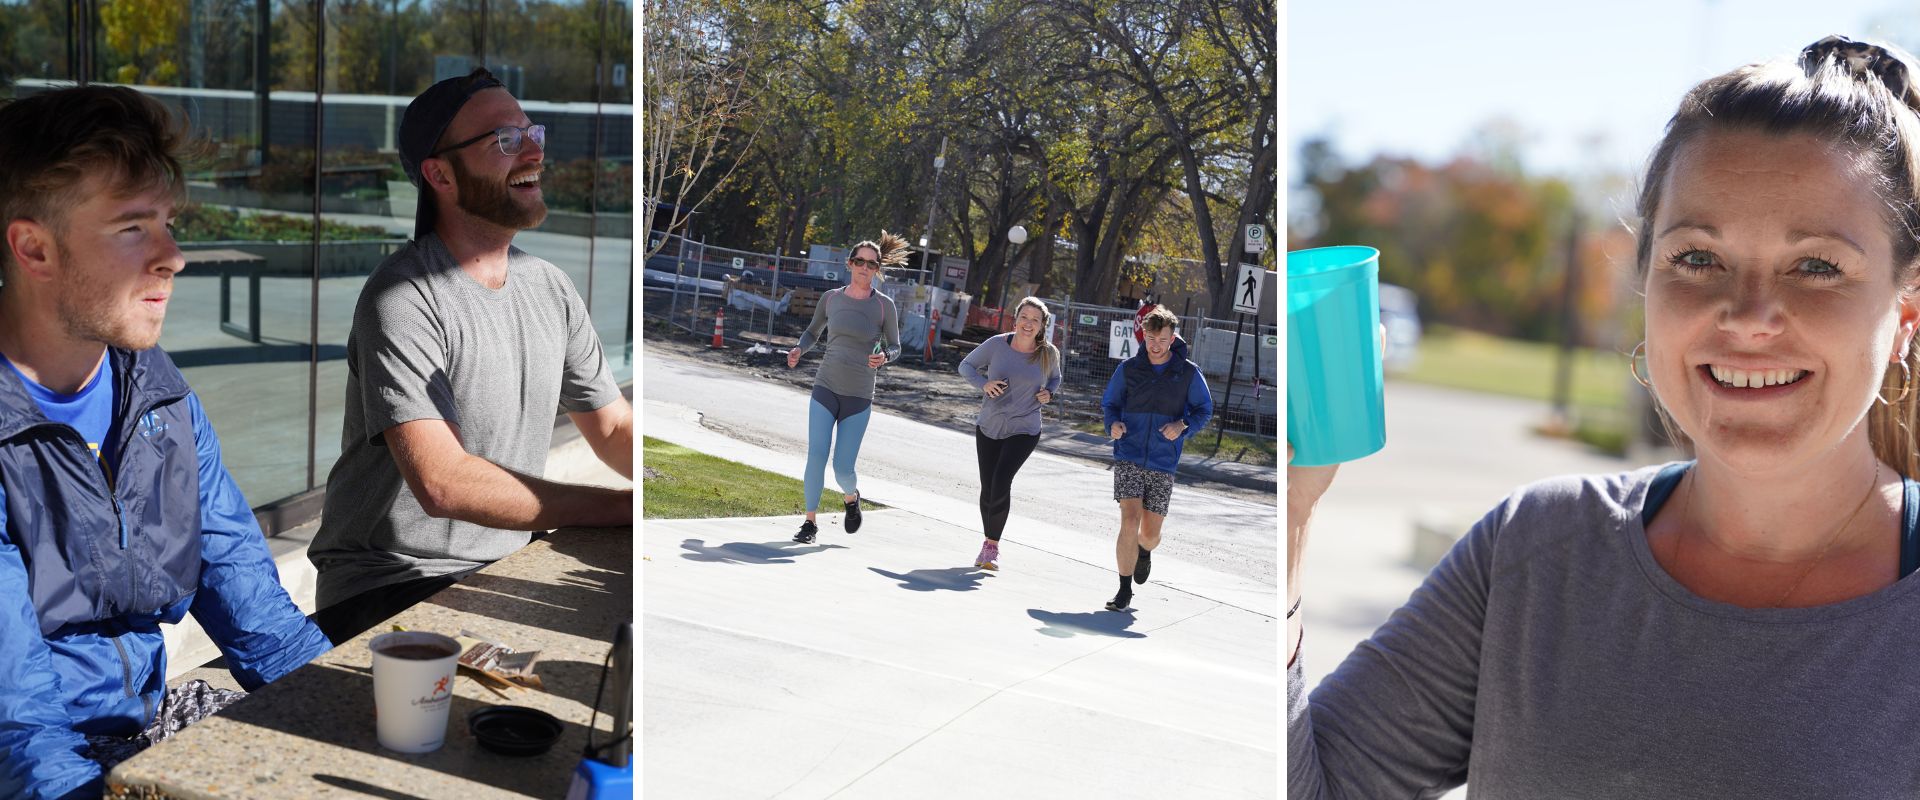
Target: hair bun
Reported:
[(1891, 65)]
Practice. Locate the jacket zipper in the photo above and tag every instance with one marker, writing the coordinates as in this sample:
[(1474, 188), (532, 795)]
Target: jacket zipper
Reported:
[(126, 680)]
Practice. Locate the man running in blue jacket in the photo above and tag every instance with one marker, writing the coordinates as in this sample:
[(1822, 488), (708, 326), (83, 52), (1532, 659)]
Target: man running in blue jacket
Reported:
[(1155, 400), (116, 514)]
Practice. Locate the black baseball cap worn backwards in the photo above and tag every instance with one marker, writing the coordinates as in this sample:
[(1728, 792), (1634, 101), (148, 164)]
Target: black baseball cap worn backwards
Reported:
[(425, 122)]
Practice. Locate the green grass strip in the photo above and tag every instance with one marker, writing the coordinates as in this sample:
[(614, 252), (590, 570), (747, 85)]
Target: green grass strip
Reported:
[(682, 483), (1478, 362)]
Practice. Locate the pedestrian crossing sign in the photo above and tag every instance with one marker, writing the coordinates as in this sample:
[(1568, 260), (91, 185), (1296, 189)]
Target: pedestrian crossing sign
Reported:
[(1246, 290)]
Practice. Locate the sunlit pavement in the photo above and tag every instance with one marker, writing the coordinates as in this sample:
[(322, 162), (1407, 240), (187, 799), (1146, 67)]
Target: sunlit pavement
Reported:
[(883, 664)]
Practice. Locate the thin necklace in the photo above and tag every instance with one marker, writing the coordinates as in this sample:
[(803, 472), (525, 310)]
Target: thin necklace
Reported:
[(1686, 516)]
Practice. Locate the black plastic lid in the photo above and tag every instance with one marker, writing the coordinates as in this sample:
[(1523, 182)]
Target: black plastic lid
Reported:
[(514, 730)]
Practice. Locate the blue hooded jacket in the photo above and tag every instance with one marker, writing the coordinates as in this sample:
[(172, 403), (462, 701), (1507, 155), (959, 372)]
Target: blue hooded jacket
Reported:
[(89, 569), (1144, 399)]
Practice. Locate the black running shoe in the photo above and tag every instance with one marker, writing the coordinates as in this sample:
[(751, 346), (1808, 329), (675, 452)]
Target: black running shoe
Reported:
[(1143, 566), (853, 515), (807, 532), (1119, 602)]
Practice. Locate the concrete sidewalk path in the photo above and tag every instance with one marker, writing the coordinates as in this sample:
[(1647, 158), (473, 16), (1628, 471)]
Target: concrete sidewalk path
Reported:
[(1092, 544), (882, 664)]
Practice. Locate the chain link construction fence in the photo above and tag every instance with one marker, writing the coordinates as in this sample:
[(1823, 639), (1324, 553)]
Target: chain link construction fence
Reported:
[(768, 300)]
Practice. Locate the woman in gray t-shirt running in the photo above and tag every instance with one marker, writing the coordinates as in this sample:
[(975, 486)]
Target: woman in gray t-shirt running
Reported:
[(1017, 372), (861, 330)]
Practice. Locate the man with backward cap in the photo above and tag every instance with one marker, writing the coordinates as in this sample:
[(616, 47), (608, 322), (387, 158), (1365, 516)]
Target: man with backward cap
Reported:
[(463, 349)]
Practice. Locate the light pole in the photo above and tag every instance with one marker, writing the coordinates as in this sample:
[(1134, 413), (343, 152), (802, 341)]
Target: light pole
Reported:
[(1018, 236), (933, 202)]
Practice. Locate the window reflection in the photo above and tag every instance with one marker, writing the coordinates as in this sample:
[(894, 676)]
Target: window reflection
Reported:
[(260, 299)]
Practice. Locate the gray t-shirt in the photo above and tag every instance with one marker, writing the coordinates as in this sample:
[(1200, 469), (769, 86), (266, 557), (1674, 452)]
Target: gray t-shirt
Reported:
[(430, 342), (1549, 655), (852, 328), (1015, 411)]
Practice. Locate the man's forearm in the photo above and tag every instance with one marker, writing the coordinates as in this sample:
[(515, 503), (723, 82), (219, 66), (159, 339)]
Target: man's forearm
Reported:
[(484, 493), (617, 451)]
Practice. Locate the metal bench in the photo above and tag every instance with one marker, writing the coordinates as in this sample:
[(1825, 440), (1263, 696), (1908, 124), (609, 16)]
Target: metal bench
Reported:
[(231, 262)]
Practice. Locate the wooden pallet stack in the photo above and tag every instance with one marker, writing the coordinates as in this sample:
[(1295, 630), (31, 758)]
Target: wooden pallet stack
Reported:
[(803, 302)]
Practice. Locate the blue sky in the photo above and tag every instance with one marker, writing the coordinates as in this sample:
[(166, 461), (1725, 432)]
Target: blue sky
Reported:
[(1589, 85)]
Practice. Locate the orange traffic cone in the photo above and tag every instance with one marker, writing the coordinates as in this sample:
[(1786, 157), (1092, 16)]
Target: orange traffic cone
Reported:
[(933, 331), (719, 330)]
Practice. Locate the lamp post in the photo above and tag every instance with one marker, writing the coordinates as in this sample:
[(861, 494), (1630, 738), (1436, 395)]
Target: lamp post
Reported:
[(933, 202), (1018, 236)]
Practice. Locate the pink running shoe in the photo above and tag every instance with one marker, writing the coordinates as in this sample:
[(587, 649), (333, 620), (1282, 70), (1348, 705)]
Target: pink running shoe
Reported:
[(989, 556)]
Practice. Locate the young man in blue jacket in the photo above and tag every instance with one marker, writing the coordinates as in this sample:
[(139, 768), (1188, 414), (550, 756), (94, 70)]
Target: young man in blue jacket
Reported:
[(1155, 400), (116, 515)]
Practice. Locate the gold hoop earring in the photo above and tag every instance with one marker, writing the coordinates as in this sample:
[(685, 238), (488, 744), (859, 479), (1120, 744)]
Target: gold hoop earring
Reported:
[(1906, 385), (1633, 365)]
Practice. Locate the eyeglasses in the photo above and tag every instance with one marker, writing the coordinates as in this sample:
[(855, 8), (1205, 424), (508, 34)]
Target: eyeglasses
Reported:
[(510, 138), (863, 262)]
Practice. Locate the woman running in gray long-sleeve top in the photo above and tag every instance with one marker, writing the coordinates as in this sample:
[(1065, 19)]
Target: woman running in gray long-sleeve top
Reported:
[(862, 331), (1017, 372)]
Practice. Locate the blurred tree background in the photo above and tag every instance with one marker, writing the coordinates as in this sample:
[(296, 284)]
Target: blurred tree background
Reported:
[(1143, 132), (376, 46), (1481, 242)]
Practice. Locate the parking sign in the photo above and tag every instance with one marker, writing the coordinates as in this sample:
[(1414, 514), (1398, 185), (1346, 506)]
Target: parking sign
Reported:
[(1256, 238)]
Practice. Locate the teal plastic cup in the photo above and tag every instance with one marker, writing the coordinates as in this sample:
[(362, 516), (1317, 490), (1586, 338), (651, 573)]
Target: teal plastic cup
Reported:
[(1336, 411)]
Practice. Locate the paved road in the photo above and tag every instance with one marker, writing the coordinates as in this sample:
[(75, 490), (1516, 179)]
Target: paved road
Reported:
[(1230, 535)]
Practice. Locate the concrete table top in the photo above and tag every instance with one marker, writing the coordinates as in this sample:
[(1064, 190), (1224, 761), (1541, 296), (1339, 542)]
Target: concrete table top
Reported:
[(311, 733)]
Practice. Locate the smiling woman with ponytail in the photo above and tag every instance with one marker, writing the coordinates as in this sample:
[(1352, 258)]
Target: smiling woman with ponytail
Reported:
[(1016, 373), (1737, 625)]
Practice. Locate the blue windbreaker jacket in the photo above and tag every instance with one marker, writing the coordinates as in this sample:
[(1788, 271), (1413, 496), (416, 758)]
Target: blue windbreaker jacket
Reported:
[(89, 569), (1145, 400)]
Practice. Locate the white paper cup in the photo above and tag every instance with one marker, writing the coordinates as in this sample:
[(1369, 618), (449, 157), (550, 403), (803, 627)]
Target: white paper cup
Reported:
[(413, 689)]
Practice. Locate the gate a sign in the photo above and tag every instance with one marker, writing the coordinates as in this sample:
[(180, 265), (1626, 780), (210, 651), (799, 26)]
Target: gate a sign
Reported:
[(1120, 343)]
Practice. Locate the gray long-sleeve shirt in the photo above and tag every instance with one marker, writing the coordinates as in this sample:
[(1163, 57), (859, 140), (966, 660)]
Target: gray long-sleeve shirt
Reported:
[(1549, 655), (852, 327), (1016, 411)]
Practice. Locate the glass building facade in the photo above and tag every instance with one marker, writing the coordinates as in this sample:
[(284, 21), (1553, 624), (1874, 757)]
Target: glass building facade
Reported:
[(302, 194)]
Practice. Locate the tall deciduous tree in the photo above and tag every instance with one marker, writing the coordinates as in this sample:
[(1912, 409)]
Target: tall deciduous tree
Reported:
[(694, 94)]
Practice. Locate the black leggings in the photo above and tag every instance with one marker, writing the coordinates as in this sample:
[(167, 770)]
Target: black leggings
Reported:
[(1000, 459)]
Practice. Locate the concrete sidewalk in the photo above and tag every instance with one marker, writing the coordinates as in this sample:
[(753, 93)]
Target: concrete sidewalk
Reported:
[(883, 664)]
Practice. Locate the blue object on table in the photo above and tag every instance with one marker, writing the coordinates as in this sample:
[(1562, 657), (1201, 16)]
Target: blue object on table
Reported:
[(607, 771)]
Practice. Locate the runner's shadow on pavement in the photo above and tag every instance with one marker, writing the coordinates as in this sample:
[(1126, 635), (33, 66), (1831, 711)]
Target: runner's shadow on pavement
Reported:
[(1096, 623), (751, 552), (952, 579)]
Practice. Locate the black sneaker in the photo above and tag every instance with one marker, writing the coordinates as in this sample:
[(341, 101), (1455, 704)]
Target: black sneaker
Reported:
[(807, 532), (853, 515), (1143, 566), (1119, 602)]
